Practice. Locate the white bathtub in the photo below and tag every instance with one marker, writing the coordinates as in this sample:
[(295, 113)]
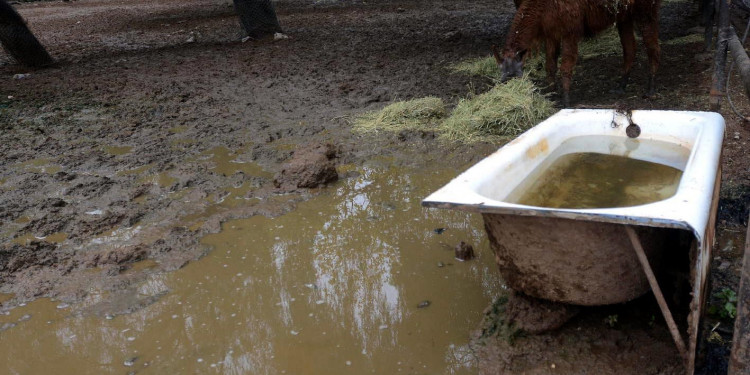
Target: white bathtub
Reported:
[(534, 245)]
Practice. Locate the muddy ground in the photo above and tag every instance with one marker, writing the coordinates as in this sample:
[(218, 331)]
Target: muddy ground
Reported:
[(121, 151)]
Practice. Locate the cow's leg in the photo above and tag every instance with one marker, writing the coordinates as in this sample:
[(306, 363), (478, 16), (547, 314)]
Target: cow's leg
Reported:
[(552, 53), (650, 32), (627, 39), (258, 17), (18, 40), (708, 12), (567, 63)]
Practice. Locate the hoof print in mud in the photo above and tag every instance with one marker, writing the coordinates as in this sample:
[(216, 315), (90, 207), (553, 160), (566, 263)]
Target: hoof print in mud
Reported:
[(534, 316), (311, 165)]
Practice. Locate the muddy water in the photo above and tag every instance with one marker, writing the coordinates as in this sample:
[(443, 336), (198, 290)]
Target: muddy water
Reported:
[(592, 180), (330, 288)]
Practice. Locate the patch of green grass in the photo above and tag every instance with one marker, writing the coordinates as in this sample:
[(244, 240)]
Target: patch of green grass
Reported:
[(727, 304), (611, 320), (495, 324), (687, 39), (505, 111), (604, 44), (415, 114)]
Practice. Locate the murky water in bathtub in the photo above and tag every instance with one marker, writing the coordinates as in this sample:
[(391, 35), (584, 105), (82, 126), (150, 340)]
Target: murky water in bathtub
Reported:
[(592, 180)]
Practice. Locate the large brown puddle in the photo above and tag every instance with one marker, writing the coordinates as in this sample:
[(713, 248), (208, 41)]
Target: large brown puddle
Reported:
[(330, 288)]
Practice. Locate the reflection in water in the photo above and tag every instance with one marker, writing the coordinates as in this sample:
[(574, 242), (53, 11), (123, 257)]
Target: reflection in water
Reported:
[(330, 288)]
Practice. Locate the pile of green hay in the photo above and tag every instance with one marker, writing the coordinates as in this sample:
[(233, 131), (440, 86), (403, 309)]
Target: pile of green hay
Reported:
[(415, 114), (505, 111)]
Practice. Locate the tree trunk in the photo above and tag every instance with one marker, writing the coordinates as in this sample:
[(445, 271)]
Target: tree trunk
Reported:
[(741, 60), (258, 17), (18, 40), (719, 80)]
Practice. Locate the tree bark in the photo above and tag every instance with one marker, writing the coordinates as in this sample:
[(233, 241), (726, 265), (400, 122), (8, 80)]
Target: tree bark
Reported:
[(720, 57), (19, 41), (741, 60), (258, 17)]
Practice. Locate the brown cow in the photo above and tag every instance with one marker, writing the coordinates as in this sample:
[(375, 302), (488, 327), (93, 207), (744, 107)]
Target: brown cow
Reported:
[(561, 24)]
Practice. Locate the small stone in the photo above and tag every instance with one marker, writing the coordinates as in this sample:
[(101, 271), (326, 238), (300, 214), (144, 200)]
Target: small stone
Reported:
[(423, 304), (21, 76), (464, 251), (280, 36), (724, 265), (130, 361), (25, 318), (440, 264)]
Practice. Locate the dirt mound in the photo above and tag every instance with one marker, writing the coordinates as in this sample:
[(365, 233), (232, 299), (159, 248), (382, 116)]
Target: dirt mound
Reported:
[(534, 315), (615, 340), (311, 166)]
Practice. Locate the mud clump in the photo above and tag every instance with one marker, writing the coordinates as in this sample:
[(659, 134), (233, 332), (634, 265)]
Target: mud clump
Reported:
[(464, 251), (533, 315), (15, 257), (311, 165), (118, 256)]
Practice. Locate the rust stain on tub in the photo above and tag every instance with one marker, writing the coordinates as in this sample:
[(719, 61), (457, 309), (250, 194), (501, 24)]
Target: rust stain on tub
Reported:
[(538, 149)]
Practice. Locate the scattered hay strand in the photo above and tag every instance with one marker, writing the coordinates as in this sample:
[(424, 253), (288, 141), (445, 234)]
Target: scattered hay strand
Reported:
[(687, 39), (415, 114), (505, 111), (487, 67), (481, 67)]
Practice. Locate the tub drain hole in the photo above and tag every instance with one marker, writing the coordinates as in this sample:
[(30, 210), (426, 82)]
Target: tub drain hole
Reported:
[(633, 131)]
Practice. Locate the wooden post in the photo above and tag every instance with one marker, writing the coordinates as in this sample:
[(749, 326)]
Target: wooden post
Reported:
[(739, 361), (658, 294), (720, 58)]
